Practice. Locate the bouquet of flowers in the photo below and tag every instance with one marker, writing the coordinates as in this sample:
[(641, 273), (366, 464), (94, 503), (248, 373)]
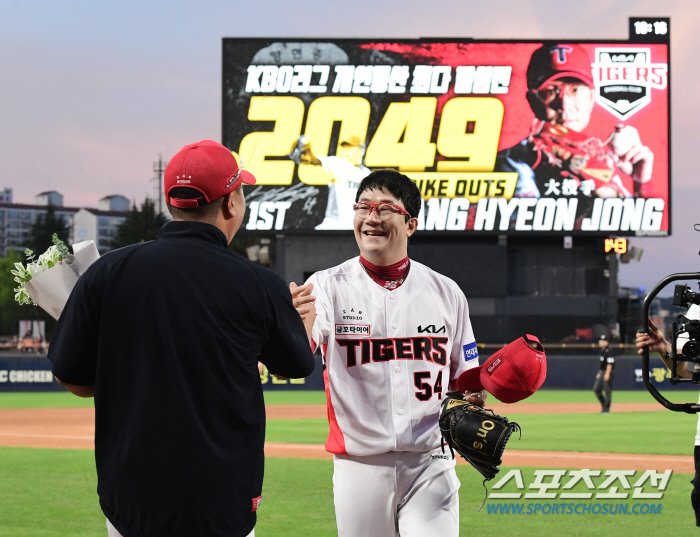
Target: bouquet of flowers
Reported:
[(48, 280)]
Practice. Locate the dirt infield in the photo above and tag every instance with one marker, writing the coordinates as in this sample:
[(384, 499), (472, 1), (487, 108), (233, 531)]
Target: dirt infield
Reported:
[(543, 459), (74, 428), (48, 427)]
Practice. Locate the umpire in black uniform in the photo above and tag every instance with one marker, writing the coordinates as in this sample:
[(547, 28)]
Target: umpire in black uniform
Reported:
[(604, 378), (167, 336)]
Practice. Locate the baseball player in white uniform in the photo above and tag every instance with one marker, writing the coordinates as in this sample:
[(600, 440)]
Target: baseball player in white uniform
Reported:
[(394, 335)]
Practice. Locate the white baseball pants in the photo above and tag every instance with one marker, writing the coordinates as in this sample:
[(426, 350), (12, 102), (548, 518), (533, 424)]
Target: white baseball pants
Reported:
[(396, 494)]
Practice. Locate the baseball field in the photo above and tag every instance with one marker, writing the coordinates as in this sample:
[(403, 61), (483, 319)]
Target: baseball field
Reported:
[(48, 482)]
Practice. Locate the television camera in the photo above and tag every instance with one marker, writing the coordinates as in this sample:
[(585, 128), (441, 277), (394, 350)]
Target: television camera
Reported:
[(686, 332)]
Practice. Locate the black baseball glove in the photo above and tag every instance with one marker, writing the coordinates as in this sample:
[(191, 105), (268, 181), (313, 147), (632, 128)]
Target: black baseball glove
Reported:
[(478, 435)]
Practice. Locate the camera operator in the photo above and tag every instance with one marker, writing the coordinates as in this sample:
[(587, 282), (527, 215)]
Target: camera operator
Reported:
[(658, 343)]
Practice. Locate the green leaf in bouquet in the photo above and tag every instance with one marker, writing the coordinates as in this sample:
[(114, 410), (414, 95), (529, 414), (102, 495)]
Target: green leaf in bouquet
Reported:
[(61, 246), (22, 274), (50, 257), (22, 296)]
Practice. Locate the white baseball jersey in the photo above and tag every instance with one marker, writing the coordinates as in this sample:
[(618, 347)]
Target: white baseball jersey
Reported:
[(390, 356)]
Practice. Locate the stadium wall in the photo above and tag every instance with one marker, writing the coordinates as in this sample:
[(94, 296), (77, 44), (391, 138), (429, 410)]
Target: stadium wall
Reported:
[(19, 373)]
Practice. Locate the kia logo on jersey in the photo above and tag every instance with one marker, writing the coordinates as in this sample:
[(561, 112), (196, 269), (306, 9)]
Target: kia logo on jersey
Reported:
[(470, 351), (430, 329)]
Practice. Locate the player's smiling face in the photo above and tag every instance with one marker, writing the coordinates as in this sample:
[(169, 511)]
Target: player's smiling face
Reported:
[(383, 240)]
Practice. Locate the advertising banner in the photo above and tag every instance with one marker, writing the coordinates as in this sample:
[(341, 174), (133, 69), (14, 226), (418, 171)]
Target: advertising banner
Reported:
[(25, 373), (501, 137)]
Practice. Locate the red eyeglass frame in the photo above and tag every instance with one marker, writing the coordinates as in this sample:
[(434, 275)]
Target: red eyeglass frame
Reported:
[(373, 207)]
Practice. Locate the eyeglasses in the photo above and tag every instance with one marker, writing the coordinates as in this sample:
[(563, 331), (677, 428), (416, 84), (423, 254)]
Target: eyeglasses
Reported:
[(548, 94), (384, 210)]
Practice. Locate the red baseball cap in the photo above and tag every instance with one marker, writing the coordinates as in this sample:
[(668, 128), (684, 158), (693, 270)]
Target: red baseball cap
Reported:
[(512, 374), (208, 167), (551, 62)]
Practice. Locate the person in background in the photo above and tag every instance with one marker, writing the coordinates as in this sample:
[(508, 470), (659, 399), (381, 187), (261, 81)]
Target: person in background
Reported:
[(604, 378)]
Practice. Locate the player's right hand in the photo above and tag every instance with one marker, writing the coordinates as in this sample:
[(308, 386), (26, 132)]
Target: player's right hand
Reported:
[(476, 398), (631, 155), (655, 340), (303, 299)]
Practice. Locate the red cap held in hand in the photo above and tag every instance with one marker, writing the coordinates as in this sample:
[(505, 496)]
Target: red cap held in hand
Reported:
[(512, 374)]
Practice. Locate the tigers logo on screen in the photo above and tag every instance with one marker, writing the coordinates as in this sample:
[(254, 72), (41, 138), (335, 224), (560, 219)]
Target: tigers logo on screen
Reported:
[(624, 78)]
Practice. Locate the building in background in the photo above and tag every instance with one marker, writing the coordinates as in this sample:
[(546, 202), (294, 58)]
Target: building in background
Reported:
[(16, 219), (6, 195), (100, 225), (50, 197)]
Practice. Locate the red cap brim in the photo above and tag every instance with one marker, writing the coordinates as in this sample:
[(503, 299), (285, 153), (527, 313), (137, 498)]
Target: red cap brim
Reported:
[(470, 380), (583, 77), (247, 177), (244, 177)]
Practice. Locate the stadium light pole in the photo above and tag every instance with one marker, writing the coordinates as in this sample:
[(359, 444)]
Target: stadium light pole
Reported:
[(159, 168)]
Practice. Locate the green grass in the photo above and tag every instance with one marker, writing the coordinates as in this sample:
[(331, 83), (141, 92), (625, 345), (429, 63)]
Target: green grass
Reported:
[(297, 499), (51, 493), (46, 493), (318, 397), (542, 396), (281, 508), (310, 431), (664, 432), (68, 400), (619, 396), (43, 400)]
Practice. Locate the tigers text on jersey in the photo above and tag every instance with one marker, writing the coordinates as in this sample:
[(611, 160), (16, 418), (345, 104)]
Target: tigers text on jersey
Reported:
[(390, 356)]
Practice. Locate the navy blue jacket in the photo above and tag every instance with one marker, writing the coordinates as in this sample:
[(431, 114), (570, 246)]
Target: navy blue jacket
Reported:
[(170, 333)]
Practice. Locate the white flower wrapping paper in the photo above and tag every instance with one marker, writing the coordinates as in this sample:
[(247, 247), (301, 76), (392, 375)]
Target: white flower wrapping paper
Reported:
[(51, 289)]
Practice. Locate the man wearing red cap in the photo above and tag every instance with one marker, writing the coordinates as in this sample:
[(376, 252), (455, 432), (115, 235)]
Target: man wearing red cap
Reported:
[(557, 158), (166, 335)]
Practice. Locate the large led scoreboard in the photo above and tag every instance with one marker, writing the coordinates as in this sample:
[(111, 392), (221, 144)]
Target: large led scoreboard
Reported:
[(502, 137)]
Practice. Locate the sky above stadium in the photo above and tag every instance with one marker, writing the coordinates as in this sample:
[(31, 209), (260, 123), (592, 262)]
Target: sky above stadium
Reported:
[(94, 92)]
